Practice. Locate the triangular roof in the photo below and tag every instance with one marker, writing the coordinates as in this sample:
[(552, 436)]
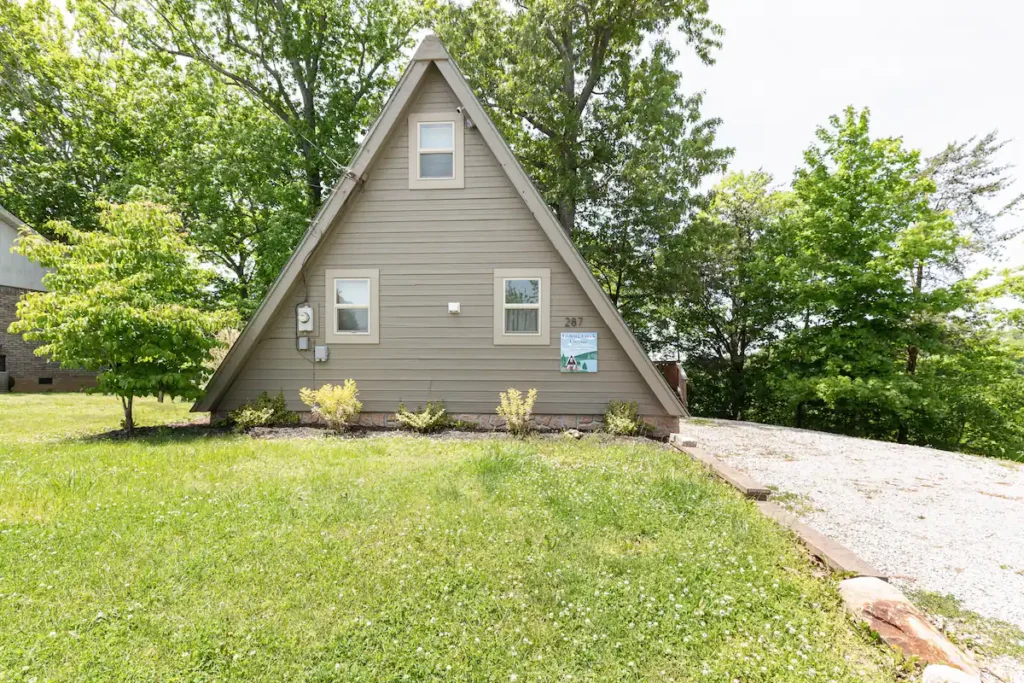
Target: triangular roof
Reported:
[(431, 51)]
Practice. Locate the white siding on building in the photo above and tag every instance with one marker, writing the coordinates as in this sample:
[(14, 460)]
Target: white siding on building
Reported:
[(16, 270)]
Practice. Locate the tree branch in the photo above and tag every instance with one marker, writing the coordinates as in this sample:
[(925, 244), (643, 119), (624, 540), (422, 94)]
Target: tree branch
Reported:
[(597, 53)]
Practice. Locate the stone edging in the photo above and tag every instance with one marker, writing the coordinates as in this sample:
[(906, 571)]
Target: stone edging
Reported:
[(867, 595), (740, 481), (838, 557)]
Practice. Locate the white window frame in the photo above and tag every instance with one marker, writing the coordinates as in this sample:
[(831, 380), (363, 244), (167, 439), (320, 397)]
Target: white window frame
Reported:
[(372, 335), (421, 150), (543, 336), (455, 119)]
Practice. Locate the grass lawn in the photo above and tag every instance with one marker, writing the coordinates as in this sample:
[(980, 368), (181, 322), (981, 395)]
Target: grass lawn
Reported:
[(178, 557)]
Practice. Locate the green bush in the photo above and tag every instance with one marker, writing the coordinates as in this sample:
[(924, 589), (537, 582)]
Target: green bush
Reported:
[(431, 419), (265, 411), (335, 404), (623, 418), (517, 410)]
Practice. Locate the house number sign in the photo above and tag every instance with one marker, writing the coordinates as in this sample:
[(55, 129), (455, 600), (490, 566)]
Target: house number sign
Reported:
[(574, 322)]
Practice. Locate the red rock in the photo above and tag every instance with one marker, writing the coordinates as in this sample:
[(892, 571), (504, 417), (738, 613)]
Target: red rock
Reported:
[(888, 612)]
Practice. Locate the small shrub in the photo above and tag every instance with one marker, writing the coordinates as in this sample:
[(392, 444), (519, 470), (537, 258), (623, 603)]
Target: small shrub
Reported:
[(264, 411), (517, 410), (431, 419), (335, 404), (623, 418), (462, 425)]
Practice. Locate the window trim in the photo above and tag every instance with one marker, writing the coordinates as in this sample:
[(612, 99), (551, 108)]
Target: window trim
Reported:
[(372, 335), (458, 151), (543, 336)]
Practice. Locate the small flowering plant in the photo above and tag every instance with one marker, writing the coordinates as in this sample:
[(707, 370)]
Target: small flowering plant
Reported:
[(517, 410), (336, 404)]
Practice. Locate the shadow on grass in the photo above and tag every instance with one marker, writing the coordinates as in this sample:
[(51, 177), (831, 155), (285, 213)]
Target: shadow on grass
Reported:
[(156, 434)]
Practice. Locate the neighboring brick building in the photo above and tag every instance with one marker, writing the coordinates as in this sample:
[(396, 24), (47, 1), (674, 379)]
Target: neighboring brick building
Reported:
[(20, 369)]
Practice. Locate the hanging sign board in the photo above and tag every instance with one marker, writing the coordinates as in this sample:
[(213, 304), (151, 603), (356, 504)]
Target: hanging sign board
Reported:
[(579, 352)]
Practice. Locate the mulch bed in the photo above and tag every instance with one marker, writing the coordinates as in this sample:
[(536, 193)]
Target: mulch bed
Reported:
[(202, 429)]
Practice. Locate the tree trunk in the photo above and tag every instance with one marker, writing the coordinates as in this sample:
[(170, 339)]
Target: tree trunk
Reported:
[(737, 389), (567, 214), (800, 415), (129, 421), (314, 179), (314, 189), (912, 354), (903, 432)]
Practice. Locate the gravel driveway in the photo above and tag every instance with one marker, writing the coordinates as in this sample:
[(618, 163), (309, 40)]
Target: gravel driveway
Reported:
[(930, 519)]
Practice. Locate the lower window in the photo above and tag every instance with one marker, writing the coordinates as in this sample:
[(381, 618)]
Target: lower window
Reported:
[(522, 305), (353, 306)]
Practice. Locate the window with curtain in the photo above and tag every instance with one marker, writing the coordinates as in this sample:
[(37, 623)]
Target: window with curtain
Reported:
[(522, 306)]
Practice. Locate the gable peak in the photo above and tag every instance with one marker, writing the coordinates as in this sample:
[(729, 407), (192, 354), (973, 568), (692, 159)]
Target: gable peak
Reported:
[(430, 49)]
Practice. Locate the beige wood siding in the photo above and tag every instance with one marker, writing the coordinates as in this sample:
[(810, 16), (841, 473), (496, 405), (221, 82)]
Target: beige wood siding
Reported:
[(431, 247)]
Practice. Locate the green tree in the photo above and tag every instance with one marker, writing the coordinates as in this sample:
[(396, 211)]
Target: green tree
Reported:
[(89, 119), (587, 96), (61, 132), (322, 68), (968, 181), (228, 167), (974, 393), (127, 300), (730, 297), (866, 222)]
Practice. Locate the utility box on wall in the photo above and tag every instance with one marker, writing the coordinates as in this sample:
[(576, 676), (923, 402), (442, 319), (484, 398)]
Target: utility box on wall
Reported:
[(304, 322)]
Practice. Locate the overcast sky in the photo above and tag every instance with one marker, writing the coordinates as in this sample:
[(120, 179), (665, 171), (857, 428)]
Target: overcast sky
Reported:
[(932, 71)]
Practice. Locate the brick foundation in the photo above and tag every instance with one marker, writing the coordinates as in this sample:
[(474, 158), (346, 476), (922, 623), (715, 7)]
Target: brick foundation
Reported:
[(23, 365), (662, 425)]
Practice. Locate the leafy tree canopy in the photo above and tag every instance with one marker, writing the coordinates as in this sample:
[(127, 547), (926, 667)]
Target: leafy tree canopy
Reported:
[(587, 95), (844, 306), (321, 68), (61, 130), (87, 119), (730, 295)]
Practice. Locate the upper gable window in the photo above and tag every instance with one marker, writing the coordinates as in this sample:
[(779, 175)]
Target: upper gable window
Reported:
[(437, 150), (436, 142)]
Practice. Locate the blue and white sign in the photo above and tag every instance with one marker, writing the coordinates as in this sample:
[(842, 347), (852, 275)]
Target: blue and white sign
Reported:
[(579, 352)]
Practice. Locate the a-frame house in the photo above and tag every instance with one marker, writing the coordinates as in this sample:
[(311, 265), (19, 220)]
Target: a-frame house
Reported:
[(436, 272)]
